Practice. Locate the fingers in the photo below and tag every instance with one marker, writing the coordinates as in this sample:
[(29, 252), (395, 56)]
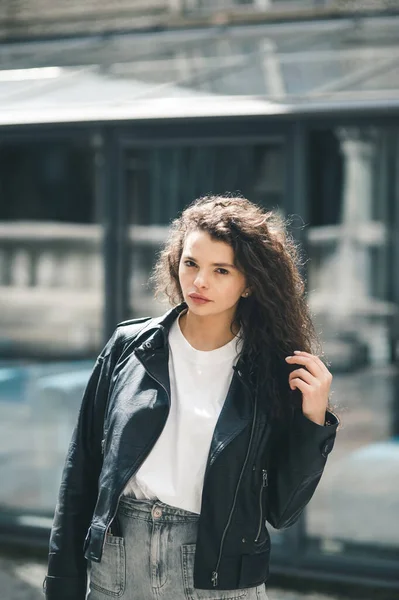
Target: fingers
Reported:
[(313, 363), (303, 374), (300, 385)]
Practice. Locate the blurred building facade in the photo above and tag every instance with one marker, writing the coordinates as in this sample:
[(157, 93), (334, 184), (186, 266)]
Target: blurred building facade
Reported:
[(111, 121), (22, 19)]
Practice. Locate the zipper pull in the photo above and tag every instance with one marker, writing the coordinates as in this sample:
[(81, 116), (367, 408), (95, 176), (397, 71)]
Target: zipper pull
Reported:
[(214, 578), (265, 481)]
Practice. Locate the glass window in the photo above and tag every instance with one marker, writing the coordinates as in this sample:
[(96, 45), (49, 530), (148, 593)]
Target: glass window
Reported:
[(288, 64), (161, 181), (50, 311), (353, 291)]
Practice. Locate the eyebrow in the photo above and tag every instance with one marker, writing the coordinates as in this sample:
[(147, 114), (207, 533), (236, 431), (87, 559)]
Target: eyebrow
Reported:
[(213, 264)]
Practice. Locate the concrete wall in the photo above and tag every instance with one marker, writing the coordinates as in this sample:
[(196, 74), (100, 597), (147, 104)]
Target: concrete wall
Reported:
[(27, 19), (37, 18)]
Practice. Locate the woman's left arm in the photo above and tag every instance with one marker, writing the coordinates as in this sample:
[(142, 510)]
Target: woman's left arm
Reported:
[(301, 448)]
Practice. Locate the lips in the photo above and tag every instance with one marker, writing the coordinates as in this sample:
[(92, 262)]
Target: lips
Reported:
[(199, 297)]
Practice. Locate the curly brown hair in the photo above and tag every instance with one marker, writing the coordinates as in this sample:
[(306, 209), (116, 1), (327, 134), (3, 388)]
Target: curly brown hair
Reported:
[(275, 318)]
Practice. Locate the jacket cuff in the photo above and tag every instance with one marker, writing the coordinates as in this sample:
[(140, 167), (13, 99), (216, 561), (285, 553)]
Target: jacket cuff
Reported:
[(64, 588), (331, 420), (322, 436)]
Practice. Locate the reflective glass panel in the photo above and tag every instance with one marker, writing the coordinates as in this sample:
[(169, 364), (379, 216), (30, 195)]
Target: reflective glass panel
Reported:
[(50, 312), (160, 182), (353, 249), (320, 61)]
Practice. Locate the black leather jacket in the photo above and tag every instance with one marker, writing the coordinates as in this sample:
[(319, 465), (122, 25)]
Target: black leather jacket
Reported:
[(257, 469)]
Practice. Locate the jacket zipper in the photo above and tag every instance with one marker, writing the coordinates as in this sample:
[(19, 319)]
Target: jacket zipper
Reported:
[(133, 471), (215, 573), (264, 484)]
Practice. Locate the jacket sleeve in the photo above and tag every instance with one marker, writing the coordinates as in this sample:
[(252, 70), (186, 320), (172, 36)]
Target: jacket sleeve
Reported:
[(67, 568), (298, 456)]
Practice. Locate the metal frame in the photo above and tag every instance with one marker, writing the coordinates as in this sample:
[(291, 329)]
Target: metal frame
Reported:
[(317, 99)]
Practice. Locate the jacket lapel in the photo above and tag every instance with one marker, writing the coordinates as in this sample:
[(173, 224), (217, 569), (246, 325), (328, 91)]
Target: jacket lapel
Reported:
[(154, 355), (234, 417), (153, 350)]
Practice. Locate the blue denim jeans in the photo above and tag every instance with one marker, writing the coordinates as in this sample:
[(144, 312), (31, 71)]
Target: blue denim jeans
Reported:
[(154, 558)]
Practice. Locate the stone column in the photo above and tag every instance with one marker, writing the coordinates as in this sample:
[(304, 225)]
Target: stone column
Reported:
[(262, 4), (357, 230), (354, 306)]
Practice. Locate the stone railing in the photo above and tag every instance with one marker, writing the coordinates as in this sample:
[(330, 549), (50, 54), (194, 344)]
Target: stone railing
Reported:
[(52, 284), (55, 255), (50, 255)]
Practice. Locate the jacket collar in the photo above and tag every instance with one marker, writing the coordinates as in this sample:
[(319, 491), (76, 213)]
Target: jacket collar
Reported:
[(155, 336), (152, 346)]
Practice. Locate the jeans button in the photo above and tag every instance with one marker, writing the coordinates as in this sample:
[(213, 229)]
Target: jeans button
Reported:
[(157, 512)]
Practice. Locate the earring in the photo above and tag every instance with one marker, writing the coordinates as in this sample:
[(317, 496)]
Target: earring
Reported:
[(246, 294)]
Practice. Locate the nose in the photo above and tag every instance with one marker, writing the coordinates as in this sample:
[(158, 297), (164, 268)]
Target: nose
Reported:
[(201, 280)]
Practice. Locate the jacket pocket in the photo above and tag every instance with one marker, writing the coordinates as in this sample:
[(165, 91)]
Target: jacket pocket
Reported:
[(109, 576)]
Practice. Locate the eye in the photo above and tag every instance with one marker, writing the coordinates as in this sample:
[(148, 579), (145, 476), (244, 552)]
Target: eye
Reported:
[(222, 271), (189, 263)]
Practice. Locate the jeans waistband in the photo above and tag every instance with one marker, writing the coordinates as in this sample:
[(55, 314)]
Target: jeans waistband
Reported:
[(154, 510)]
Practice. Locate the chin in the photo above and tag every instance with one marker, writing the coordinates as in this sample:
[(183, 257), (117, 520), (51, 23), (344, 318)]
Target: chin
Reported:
[(207, 309)]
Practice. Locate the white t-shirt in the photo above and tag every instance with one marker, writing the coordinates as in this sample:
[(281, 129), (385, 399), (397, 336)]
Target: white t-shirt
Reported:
[(199, 381)]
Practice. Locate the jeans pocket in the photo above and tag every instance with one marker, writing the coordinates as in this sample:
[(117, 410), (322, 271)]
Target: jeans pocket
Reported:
[(188, 552), (109, 576)]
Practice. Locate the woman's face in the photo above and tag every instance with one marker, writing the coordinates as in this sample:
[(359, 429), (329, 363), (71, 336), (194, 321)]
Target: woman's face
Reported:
[(210, 282)]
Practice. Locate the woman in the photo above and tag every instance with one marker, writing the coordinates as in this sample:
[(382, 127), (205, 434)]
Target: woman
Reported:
[(198, 426)]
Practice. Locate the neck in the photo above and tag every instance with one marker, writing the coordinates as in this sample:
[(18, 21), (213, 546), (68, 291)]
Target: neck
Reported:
[(209, 332)]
